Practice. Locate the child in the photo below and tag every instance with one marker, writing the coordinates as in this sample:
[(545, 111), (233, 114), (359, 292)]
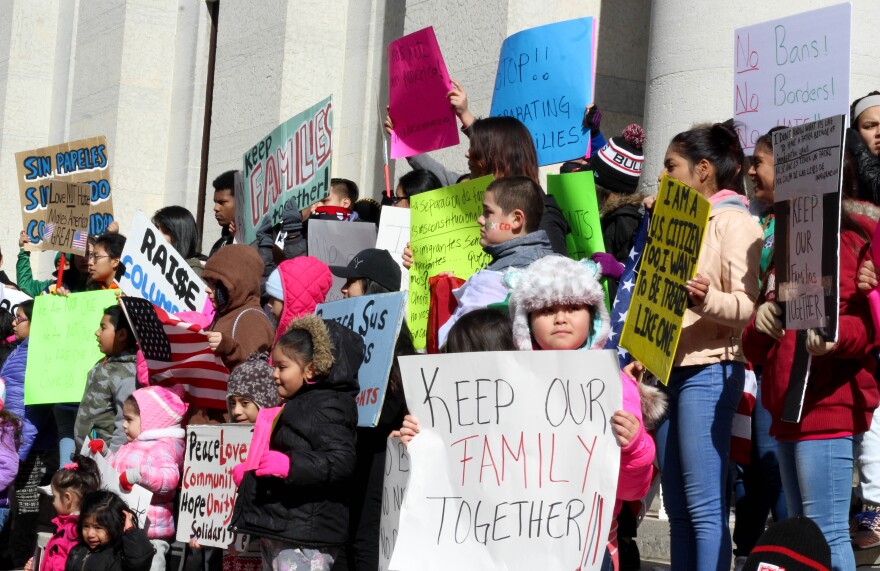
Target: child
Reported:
[(105, 265), (481, 330), (311, 453), (109, 539), (69, 485), (295, 288), (10, 438), (250, 388), (110, 382), (224, 208), (512, 211), (337, 205), (153, 457)]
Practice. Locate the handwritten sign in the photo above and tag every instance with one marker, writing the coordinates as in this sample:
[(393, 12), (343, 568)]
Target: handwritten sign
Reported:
[(138, 499), (808, 163), (576, 195), (208, 492), (155, 271), (335, 243), (445, 237), (396, 479), (64, 224), (11, 298), (62, 347), (418, 83), (656, 313), (791, 71), (515, 466), (376, 318), (393, 236), (545, 79), (86, 161), (290, 163)]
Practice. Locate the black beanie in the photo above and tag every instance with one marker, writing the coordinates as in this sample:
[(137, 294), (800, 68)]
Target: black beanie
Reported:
[(793, 544), (618, 165)]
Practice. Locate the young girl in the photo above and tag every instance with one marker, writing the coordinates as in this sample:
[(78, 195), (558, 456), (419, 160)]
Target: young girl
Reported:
[(109, 539), (295, 288), (293, 494), (69, 485), (104, 261), (10, 437), (153, 458)]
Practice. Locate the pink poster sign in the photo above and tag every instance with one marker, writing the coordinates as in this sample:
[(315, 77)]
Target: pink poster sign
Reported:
[(418, 83)]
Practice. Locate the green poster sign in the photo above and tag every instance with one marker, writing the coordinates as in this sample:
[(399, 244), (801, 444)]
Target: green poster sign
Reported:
[(576, 195)]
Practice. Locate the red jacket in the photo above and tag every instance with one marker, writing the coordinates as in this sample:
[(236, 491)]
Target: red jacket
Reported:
[(841, 394)]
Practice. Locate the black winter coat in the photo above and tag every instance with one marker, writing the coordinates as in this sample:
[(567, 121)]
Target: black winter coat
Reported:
[(317, 430), (133, 553)]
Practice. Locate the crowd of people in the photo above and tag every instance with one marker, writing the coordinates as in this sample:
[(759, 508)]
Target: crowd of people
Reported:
[(294, 376)]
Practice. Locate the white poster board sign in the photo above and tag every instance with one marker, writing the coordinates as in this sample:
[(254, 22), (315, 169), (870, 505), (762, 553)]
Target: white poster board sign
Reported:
[(208, 492), (155, 271), (393, 491), (335, 243), (138, 499), (791, 71), (394, 236), (510, 443), (11, 298)]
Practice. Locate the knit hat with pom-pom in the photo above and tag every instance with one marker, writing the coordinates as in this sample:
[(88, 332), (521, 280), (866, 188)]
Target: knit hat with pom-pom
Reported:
[(618, 165)]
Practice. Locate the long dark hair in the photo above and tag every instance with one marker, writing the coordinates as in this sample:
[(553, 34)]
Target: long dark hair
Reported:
[(179, 224), (504, 147), (80, 477), (481, 330), (109, 510), (419, 181), (719, 144)]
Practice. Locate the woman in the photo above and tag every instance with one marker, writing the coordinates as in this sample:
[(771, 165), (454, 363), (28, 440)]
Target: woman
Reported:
[(413, 183), (863, 144), (178, 226), (708, 374)]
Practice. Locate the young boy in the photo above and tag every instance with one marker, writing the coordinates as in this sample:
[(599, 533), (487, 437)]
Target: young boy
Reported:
[(224, 209), (512, 211), (251, 388), (338, 203), (109, 383)]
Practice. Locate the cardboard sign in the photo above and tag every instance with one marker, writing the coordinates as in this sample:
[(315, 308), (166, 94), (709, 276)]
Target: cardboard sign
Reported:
[(138, 499), (335, 243), (656, 313), (418, 83), (393, 236), (576, 195), (445, 237), (397, 463), (208, 492), (154, 270), (62, 347), (290, 163), (791, 71), (86, 161), (510, 443), (376, 318), (64, 224), (545, 79), (808, 163), (11, 298)]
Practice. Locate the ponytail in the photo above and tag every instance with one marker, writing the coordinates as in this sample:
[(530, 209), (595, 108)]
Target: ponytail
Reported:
[(719, 144)]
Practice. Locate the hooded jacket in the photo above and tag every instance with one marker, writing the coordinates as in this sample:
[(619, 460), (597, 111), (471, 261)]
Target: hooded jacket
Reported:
[(8, 461), (305, 281), (316, 428), (62, 542), (244, 326), (109, 383), (620, 218), (133, 552), (13, 374)]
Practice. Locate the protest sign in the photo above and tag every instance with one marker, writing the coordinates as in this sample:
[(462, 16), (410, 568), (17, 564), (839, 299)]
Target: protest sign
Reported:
[(86, 161), (393, 489), (11, 298), (653, 323), (62, 347), (515, 465), (335, 243), (808, 163), (156, 271), (208, 492), (445, 238), (545, 79), (376, 318), (418, 83), (64, 224), (791, 71), (576, 195), (290, 163), (393, 236), (138, 498)]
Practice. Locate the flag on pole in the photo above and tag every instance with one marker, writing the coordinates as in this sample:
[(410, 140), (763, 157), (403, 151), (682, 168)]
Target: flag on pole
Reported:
[(177, 352), (625, 289)]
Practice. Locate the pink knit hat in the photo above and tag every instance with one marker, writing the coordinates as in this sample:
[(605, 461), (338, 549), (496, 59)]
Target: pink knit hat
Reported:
[(160, 408)]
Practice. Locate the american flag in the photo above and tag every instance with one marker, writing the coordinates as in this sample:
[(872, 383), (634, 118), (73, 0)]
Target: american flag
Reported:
[(48, 231), (177, 352), (625, 290), (79, 240)]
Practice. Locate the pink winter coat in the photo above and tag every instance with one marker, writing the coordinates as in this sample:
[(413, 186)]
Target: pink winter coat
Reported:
[(63, 540), (305, 281), (158, 455)]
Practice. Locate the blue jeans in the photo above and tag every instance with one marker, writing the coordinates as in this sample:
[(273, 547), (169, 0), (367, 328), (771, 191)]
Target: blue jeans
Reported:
[(759, 490), (817, 476), (65, 417), (693, 448)]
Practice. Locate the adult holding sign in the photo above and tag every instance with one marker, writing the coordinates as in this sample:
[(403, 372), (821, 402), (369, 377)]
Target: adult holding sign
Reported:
[(708, 373)]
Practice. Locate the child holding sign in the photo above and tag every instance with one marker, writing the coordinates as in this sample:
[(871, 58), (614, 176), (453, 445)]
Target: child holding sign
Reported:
[(311, 452), (105, 261)]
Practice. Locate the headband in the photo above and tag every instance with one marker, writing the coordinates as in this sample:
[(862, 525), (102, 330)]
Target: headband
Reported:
[(865, 103)]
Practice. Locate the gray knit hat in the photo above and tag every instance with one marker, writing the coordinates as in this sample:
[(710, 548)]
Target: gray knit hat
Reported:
[(253, 379), (554, 280)]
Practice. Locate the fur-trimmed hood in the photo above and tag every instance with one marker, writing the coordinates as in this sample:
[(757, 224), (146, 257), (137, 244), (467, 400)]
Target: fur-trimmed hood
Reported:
[(860, 207), (337, 353), (617, 201), (653, 405)]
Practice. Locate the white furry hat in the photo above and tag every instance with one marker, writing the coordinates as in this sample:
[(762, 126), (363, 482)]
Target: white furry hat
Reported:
[(556, 280)]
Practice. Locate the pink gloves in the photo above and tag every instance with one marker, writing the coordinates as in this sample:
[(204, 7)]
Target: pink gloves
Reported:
[(238, 474), (273, 463)]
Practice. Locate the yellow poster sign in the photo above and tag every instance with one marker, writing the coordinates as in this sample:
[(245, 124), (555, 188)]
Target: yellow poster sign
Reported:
[(675, 237)]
